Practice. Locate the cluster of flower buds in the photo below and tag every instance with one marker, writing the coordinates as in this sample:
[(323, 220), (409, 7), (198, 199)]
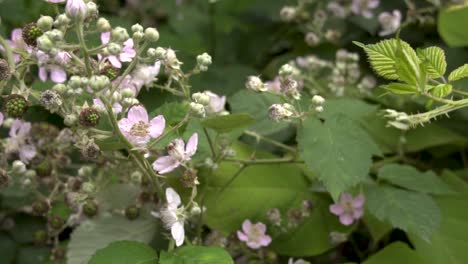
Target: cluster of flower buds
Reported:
[(282, 112), (399, 120), (294, 216), (207, 103)]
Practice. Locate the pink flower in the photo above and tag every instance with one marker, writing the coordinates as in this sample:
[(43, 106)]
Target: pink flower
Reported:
[(127, 54), (57, 73), (144, 75), (18, 142), (17, 42), (254, 235), (137, 127), (217, 103), (364, 7), (76, 9), (348, 208), (178, 153), (55, 1)]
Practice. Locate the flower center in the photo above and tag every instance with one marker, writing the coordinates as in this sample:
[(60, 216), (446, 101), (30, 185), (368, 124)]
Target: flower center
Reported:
[(255, 234), (139, 129), (348, 207)]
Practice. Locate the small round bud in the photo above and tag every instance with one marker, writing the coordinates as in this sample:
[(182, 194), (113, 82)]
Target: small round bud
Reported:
[(197, 109), (151, 34), (92, 9), (85, 171), (76, 9), (201, 98), (75, 82), (254, 83), (30, 34), (88, 187), (43, 169), (45, 23), (103, 25), (60, 88), (319, 109), (30, 174), (132, 212), (44, 43), (274, 216), (114, 48), (116, 96), (318, 100), (15, 106), (62, 21), (18, 167), (137, 28), (203, 61), (160, 53), (151, 52), (99, 82), (286, 70), (70, 120), (119, 34), (312, 39), (288, 13), (5, 72), (56, 222), (136, 177), (332, 35), (137, 36), (127, 93), (54, 35), (90, 208), (337, 237), (40, 207), (195, 210), (89, 117)]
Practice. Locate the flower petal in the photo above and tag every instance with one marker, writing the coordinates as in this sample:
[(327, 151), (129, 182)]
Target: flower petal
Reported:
[(105, 37), (157, 126), (173, 198), (346, 219), (336, 209), (265, 240), (115, 61), (138, 113), (192, 144), (246, 226), (178, 233), (57, 74), (165, 164), (358, 202), (242, 237), (43, 74)]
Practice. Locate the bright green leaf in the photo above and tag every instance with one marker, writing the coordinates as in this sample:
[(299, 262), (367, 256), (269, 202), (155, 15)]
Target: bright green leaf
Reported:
[(125, 252), (451, 23), (459, 73), (196, 255), (400, 88), (227, 123), (410, 211), (329, 148), (435, 58), (397, 252), (410, 178), (408, 66), (441, 90)]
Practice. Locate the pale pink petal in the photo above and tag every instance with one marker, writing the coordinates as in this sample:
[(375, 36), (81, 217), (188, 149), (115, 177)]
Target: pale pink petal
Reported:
[(17, 35), (128, 43), (157, 126), (57, 74), (253, 244), (358, 213), (125, 124), (358, 202), (43, 74), (138, 113), (346, 219), (24, 129), (346, 197), (27, 153), (242, 236), (173, 198), (115, 61), (336, 209), (192, 144), (246, 226), (165, 164), (265, 240), (105, 37), (178, 233), (261, 227), (15, 127)]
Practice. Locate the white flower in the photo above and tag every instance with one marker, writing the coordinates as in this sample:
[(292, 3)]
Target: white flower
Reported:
[(173, 217), (390, 22), (145, 74), (216, 104)]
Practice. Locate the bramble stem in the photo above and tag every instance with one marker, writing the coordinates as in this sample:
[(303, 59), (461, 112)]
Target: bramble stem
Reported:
[(84, 49)]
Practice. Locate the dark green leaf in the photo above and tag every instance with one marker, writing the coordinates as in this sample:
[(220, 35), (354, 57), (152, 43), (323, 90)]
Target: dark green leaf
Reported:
[(227, 123), (125, 252)]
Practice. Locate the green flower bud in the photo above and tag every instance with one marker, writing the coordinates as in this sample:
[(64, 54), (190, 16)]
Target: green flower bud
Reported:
[(18, 167), (75, 82), (70, 120), (44, 169), (201, 98), (137, 36), (318, 100), (92, 9), (90, 208), (30, 34), (15, 106), (60, 88), (204, 60), (197, 109), (132, 212), (98, 83), (55, 35), (40, 207), (137, 28), (40, 237), (151, 34), (44, 43), (85, 171), (160, 53), (45, 23), (30, 174), (128, 93), (119, 34), (114, 48), (89, 117), (103, 25), (5, 72), (88, 187), (62, 21), (286, 70), (56, 222)]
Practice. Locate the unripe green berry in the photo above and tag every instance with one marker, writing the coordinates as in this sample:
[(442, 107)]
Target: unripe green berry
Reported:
[(132, 212), (56, 222), (30, 34), (111, 72), (70, 119), (89, 117), (90, 208), (45, 23), (152, 34), (103, 25), (40, 207), (15, 106)]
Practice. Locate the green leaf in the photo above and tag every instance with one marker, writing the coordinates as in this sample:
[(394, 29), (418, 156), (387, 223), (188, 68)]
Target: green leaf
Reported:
[(227, 123), (260, 188), (173, 112), (196, 255), (410, 178), (329, 148), (441, 90), (125, 252), (377, 228), (412, 212), (408, 66), (97, 233), (397, 252), (459, 73), (449, 243), (382, 57), (450, 25), (435, 58), (400, 88)]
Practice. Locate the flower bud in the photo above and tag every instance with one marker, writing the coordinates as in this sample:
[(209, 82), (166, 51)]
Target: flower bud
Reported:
[(89, 117), (18, 167), (279, 112), (286, 70), (15, 106), (318, 100), (274, 216), (319, 109), (40, 207), (201, 98), (45, 23), (312, 39), (254, 83), (56, 222), (151, 34), (103, 25), (98, 83), (195, 210), (30, 174), (136, 177), (203, 61), (76, 9), (54, 35), (127, 93), (137, 28), (119, 34), (75, 82), (92, 9), (151, 52), (90, 208), (70, 120), (137, 36), (40, 237), (62, 21), (88, 187), (114, 48), (132, 212), (44, 43), (116, 96), (288, 13), (30, 34), (337, 237), (160, 53), (5, 71), (197, 109)]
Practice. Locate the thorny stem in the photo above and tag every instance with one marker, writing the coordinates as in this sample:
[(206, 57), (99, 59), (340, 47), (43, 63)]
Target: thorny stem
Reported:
[(80, 34), (170, 131)]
